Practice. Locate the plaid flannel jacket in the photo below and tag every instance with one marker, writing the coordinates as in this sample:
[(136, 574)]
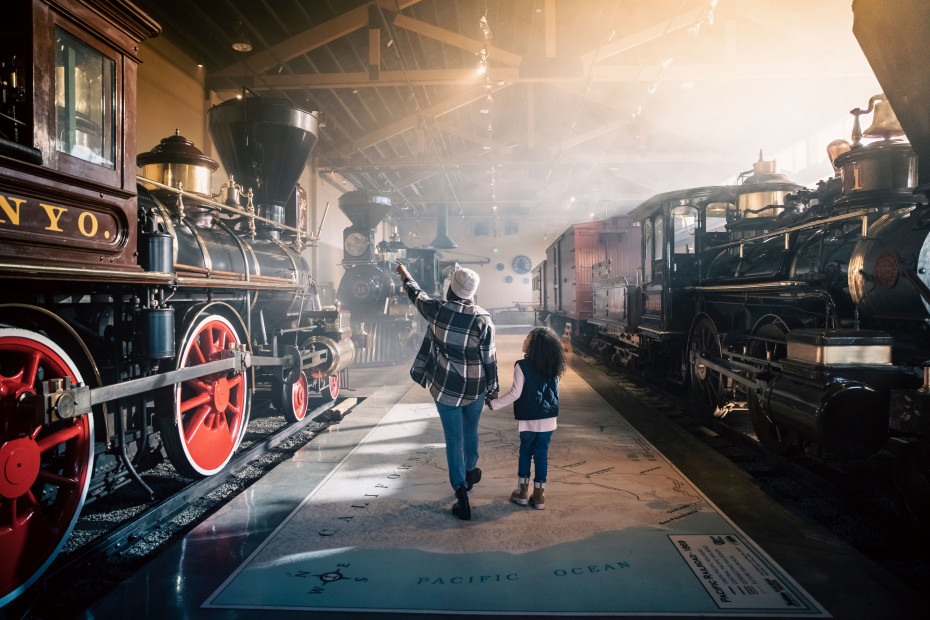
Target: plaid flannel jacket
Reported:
[(457, 360)]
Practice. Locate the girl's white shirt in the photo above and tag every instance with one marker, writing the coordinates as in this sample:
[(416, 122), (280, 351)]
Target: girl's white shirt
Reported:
[(536, 426)]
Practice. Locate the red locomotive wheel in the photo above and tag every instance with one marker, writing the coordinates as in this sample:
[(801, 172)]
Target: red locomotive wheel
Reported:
[(330, 389), (211, 412), (44, 469), (293, 399)]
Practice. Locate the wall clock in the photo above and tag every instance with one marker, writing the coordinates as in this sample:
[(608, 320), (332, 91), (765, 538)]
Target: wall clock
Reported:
[(522, 264)]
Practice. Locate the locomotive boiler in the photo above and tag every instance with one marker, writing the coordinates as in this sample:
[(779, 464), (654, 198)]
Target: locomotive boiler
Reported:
[(136, 317)]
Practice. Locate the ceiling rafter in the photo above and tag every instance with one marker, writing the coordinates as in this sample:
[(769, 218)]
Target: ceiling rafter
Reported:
[(470, 95), (362, 79), (456, 130), (601, 130), (396, 5), (837, 68), (300, 44), (456, 40), (645, 35), (482, 161)]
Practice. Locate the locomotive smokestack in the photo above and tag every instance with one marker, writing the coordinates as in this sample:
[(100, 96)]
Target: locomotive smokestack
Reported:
[(442, 240), (364, 209), (265, 144)]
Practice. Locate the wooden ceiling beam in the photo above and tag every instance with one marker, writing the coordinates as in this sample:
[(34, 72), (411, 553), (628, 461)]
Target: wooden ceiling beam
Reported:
[(396, 5), (362, 79), (417, 176), (311, 39), (406, 123), (599, 97), (616, 160), (599, 131), (495, 54), (839, 67), (643, 36), (550, 28), (456, 130)]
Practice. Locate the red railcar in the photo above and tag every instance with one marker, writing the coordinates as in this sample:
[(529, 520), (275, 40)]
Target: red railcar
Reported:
[(581, 255)]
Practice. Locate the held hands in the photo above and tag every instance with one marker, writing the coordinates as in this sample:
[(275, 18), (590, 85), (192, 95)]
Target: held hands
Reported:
[(491, 396)]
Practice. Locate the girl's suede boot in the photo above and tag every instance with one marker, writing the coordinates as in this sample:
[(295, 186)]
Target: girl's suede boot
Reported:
[(522, 494), (538, 499)]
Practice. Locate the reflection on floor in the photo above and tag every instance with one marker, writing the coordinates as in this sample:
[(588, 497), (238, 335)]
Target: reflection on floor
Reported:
[(623, 532)]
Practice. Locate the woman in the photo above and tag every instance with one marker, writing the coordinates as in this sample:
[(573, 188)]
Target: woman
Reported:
[(457, 362)]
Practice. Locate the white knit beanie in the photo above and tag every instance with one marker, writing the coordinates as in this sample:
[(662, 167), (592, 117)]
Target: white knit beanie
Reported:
[(464, 283)]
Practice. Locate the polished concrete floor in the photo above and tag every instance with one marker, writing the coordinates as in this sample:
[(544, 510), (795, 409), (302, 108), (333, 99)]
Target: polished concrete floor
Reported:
[(640, 521)]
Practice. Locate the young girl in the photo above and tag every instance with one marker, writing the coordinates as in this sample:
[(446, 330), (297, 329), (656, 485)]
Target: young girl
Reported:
[(535, 395)]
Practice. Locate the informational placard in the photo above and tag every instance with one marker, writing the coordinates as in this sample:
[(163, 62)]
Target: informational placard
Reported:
[(734, 575)]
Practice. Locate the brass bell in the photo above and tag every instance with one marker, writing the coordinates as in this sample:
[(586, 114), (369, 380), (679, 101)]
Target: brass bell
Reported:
[(884, 122)]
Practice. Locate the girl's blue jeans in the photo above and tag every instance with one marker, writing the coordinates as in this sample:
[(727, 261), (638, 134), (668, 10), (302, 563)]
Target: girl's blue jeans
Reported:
[(460, 427), (534, 446)]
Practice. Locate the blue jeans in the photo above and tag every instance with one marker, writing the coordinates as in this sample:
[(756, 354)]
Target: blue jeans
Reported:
[(460, 426), (534, 446)]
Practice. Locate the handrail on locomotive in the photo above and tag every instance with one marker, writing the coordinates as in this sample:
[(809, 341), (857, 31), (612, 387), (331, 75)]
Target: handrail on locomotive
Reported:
[(249, 212)]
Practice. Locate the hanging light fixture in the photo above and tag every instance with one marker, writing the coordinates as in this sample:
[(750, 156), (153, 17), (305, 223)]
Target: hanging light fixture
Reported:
[(241, 42)]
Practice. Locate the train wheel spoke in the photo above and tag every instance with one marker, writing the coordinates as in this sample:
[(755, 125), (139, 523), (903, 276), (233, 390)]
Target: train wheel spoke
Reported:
[(195, 423), (197, 401)]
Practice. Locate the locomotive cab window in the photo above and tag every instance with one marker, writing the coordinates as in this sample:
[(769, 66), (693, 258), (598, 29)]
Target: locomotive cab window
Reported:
[(716, 217), (648, 242), (684, 221), (85, 101), (659, 245)]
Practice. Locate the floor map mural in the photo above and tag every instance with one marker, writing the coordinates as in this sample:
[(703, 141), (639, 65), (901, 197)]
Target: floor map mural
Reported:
[(623, 532)]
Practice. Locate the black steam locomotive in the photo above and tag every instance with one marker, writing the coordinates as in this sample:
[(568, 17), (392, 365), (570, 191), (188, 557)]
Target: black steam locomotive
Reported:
[(137, 316), (809, 309), (386, 327)]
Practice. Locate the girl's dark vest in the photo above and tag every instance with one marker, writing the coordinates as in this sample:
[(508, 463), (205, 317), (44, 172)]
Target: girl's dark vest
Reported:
[(540, 396)]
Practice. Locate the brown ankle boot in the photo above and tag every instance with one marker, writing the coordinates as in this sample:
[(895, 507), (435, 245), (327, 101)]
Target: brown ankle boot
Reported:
[(538, 500), (522, 494)]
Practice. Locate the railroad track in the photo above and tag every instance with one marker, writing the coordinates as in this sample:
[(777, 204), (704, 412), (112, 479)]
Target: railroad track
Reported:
[(119, 533), (853, 498)]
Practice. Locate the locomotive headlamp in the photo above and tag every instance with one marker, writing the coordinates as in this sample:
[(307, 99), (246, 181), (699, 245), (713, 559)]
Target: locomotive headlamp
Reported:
[(356, 244)]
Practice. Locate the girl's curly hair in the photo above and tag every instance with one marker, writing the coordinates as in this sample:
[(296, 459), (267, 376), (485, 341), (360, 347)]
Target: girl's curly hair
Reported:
[(545, 352)]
